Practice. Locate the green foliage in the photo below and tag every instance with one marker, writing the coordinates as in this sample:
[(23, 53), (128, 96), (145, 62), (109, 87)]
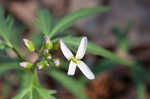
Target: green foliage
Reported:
[(122, 37), (9, 29), (5, 67), (32, 90), (45, 94), (141, 90), (37, 39), (72, 85), (44, 21), (103, 65), (2, 45), (29, 84), (70, 19)]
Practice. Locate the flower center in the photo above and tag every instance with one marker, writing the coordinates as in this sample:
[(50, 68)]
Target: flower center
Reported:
[(75, 60)]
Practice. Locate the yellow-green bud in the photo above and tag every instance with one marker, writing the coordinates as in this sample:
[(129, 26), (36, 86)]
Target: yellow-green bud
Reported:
[(48, 44), (46, 54), (43, 64), (29, 45)]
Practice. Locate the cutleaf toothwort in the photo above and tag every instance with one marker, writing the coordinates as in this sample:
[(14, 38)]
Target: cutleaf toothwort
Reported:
[(48, 59)]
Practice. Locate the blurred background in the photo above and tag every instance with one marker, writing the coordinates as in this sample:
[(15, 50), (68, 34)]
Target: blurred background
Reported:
[(114, 83)]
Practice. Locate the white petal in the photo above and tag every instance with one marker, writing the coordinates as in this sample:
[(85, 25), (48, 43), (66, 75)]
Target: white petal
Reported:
[(85, 70), (82, 48), (72, 68), (67, 53)]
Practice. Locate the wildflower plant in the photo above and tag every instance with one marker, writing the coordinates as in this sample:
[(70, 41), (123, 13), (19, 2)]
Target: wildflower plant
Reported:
[(53, 39)]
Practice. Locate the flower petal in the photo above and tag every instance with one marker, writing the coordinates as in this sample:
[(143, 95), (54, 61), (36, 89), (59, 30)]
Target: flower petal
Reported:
[(82, 48), (67, 53), (72, 68), (85, 70)]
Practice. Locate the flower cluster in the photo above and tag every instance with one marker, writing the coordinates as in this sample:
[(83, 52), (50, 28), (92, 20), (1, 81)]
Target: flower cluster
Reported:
[(75, 61)]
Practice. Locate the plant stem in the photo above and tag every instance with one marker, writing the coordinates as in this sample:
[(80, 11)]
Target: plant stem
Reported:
[(35, 79), (17, 53), (15, 50)]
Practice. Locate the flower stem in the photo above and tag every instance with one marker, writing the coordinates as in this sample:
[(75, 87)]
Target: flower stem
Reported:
[(9, 45), (17, 53)]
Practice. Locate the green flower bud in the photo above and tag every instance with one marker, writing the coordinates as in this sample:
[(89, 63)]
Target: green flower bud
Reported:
[(43, 64), (27, 65), (29, 45), (46, 54), (48, 44)]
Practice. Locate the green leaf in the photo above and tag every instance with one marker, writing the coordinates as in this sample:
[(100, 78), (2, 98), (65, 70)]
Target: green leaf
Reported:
[(45, 94), (70, 19), (37, 39), (2, 45), (141, 91), (22, 94), (73, 43), (122, 37), (4, 67), (44, 21), (31, 89), (102, 66), (9, 29), (72, 85)]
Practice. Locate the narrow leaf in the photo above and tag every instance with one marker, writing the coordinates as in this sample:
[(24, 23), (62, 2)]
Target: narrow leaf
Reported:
[(72, 85), (70, 19), (44, 21), (22, 94), (141, 91)]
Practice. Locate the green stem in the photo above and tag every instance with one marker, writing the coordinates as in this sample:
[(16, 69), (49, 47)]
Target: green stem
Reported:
[(15, 50), (18, 55), (35, 79)]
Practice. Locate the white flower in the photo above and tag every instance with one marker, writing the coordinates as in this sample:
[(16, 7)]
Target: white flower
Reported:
[(76, 61)]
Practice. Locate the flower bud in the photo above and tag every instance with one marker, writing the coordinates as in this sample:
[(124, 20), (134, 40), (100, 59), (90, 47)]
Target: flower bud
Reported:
[(43, 64), (27, 65), (56, 62), (29, 45), (48, 44), (49, 57), (46, 54)]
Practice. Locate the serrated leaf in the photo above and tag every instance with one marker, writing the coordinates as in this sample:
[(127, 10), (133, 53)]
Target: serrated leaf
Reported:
[(45, 94), (9, 30), (72, 85), (70, 19), (73, 43), (22, 94), (44, 21), (37, 39)]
